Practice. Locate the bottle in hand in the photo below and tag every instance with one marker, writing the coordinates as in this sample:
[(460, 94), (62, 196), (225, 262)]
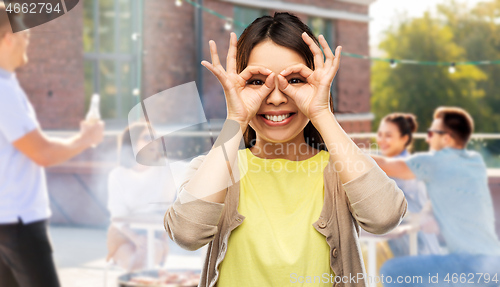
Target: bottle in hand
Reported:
[(93, 115)]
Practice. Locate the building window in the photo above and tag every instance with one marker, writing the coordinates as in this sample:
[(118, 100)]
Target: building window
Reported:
[(320, 26), (246, 15), (111, 39)]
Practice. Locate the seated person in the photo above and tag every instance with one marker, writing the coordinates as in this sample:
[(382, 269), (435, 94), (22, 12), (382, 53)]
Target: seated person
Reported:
[(394, 138), (457, 185), (136, 190)]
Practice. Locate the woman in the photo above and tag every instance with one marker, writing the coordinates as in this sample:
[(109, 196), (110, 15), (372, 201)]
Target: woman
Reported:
[(287, 209), (395, 138), (136, 190)]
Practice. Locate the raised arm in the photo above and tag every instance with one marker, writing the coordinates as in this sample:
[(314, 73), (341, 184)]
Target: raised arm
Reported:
[(192, 221), (312, 98), (375, 201), (211, 179), (394, 167), (48, 151)]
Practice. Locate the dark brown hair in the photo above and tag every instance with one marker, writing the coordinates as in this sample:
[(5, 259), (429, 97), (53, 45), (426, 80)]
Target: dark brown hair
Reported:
[(4, 20), (406, 123), (286, 30), (126, 157), (457, 122)]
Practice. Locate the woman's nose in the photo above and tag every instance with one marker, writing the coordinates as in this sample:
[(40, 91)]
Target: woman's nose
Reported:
[(276, 97)]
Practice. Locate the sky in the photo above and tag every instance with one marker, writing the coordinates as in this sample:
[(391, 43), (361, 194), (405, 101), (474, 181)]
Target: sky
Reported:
[(384, 12)]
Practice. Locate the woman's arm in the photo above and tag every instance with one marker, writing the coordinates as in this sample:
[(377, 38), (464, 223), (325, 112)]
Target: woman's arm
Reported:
[(350, 161), (376, 202), (192, 221), (394, 167)]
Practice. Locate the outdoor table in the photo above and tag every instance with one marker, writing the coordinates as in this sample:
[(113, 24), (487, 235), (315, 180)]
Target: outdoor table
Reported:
[(150, 223), (154, 222), (372, 239)]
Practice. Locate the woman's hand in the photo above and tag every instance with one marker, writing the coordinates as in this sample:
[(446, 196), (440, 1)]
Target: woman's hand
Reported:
[(312, 98), (242, 100)]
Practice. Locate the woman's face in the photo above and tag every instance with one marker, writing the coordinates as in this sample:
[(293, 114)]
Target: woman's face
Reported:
[(152, 151), (389, 139), (278, 119)]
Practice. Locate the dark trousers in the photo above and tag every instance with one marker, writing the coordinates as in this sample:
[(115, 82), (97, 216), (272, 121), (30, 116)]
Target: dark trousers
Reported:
[(26, 256)]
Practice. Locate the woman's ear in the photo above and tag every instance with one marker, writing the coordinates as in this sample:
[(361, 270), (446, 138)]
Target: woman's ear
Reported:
[(405, 138)]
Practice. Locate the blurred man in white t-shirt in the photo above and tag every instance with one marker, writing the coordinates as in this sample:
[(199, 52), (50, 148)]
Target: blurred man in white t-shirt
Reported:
[(25, 251)]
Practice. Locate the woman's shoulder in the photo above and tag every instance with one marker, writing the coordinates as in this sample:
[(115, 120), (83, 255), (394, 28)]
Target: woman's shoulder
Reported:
[(118, 171), (121, 176)]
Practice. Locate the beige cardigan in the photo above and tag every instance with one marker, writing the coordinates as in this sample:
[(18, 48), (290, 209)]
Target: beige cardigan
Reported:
[(372, 201)]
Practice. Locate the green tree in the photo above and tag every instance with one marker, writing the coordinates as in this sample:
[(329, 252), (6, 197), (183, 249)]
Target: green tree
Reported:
[(478, 32), (419, 89)]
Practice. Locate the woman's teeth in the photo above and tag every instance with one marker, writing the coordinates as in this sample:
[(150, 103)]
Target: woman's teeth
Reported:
[(277, 118)]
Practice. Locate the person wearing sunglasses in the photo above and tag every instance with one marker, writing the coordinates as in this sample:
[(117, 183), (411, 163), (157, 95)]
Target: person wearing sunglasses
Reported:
[(457, 185), (395, 140)]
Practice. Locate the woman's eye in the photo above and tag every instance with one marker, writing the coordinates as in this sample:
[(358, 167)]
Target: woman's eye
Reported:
[(255, 82), (295, 81)]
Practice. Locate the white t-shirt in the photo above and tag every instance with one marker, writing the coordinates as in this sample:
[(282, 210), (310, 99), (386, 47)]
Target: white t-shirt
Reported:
[(132, 192), (23, 188)]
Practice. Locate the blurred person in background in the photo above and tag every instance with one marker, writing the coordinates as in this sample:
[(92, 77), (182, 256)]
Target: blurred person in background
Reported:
[(395, 138), (25, 251), (457, 185), (137, 190)]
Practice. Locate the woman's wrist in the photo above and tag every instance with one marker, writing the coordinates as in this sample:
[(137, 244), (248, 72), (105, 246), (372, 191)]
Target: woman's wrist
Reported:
[(321, 117), (243, 124)]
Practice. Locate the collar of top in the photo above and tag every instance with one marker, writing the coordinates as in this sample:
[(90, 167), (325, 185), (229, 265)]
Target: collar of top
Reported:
[(6, 74), (404, 153)]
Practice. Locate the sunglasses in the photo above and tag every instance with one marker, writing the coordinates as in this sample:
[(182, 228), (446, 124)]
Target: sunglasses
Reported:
[(431, 132)]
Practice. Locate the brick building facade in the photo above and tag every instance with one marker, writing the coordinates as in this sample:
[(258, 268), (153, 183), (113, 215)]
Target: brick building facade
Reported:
[(54, 79), (66, 55), (73, 56)]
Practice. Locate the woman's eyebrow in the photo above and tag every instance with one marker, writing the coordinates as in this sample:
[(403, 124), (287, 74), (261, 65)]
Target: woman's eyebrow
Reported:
[(295, 75)]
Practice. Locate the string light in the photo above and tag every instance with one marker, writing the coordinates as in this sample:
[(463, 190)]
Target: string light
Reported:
[(452, 68), (393, 62), (229, 24), (135, 36)]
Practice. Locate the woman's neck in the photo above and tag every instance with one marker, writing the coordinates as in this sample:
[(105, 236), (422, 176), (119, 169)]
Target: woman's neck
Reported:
[(295, 149), (403, 152), (140, 168)]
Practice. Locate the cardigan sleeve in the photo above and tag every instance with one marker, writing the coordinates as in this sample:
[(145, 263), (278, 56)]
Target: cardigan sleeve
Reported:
[(191, 222), (375, 201)]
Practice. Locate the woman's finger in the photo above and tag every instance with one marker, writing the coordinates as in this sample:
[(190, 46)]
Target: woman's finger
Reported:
[(216, 72), (286, 88), (328, 52), (267, 87), (231, 54), (300, 69), (213, 53), (336, 61), (249, 71), (318, 55)]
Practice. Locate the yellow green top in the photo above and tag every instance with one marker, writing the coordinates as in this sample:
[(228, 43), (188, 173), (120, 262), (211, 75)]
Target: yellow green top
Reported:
[(277, 245)]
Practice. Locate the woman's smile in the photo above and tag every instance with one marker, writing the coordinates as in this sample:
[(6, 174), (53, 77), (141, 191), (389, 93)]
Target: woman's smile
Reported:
[(277, 118)]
